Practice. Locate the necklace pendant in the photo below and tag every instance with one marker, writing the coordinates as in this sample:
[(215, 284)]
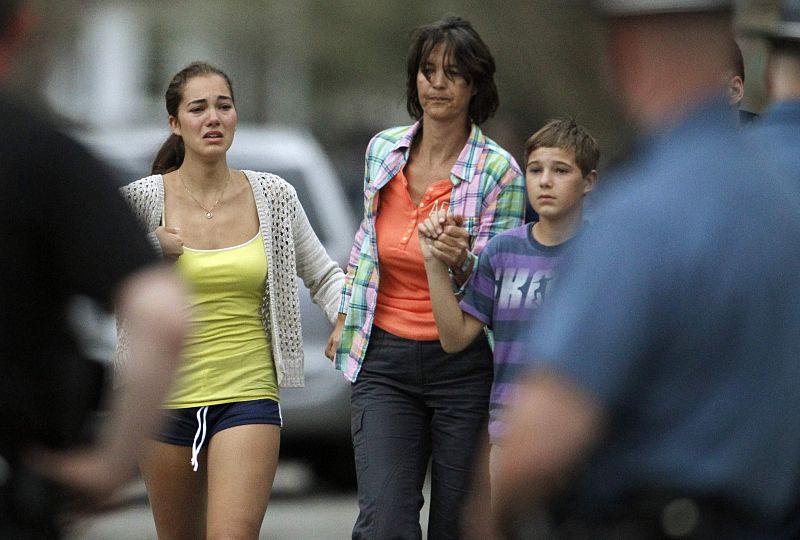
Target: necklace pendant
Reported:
[(209, 215)]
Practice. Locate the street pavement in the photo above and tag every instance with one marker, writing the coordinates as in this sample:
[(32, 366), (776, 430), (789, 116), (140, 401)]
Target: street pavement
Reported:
[(298, 510)]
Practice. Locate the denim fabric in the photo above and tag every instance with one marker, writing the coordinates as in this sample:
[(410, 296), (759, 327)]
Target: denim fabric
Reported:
[(414, 403)]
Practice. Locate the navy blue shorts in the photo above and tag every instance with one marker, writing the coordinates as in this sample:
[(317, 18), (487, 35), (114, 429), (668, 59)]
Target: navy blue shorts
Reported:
[(185, 427)]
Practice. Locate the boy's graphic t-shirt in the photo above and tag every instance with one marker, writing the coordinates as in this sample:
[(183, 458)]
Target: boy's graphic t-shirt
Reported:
[(512, 280)]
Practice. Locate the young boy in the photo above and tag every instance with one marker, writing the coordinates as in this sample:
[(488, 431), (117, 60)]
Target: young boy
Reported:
[(517, 266)]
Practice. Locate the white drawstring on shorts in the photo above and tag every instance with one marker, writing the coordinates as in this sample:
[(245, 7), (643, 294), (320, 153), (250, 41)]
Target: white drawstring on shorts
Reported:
[(201, 432)]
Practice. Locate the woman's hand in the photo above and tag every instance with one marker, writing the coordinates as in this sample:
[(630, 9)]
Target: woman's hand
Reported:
[(453, 243), (428, 230), (335, 337), (445, 238), (171, 242)]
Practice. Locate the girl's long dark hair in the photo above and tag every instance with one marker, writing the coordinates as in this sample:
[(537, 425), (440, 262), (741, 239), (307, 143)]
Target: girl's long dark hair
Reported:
[(170, 155)]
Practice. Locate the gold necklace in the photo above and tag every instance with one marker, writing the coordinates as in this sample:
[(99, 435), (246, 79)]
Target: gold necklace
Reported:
[(209, 211)]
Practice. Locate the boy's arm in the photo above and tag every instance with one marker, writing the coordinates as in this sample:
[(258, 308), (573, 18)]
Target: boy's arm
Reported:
[(456, 328)]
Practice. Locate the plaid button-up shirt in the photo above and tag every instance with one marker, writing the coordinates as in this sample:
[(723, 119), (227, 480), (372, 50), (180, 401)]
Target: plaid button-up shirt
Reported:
[(488, 190)]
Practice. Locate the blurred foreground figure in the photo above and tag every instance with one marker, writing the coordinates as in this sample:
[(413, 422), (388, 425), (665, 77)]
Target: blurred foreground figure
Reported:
[(779, 128), (66, 233), (662, 397)]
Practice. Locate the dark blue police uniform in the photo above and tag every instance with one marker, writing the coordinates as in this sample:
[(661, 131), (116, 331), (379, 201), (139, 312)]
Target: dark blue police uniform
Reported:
[(678, 313)]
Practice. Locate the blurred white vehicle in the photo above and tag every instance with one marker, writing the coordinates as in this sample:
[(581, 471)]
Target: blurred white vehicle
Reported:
[(316, 417)]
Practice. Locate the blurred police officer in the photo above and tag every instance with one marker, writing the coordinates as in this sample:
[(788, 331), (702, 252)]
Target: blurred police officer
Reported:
[(662, 399), (779, 128), (66, 233)]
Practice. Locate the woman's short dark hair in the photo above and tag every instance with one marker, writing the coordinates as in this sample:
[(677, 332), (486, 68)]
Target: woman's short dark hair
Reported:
[(170, 155), (468, 51)]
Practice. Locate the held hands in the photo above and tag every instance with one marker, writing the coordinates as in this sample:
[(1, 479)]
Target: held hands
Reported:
[(335, 338), (443, 237), (171, 242)]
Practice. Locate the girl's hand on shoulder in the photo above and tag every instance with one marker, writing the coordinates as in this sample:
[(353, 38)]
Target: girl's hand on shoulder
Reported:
[(171, 242)]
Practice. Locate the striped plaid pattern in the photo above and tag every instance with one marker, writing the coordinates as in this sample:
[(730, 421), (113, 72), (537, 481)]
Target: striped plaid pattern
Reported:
[(488, 190)]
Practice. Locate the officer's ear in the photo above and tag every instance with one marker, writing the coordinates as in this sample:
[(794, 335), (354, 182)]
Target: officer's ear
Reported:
[(735, 90)]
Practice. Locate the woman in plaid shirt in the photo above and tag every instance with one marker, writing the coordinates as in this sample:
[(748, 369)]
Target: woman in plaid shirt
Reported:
[(411, 402)]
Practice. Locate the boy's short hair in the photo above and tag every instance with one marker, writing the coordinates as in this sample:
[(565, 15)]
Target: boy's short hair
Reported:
[(566, 134)]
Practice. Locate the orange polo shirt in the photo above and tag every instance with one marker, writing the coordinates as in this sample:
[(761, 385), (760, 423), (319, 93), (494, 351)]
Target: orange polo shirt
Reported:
[(404, 303)]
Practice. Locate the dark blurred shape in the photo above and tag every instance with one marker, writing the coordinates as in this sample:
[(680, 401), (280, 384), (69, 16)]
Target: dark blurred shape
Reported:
[(786, 29), (631, 8), (778, 131), (67, 235)]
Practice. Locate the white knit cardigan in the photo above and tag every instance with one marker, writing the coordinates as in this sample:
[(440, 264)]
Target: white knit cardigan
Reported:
[(292, 249)]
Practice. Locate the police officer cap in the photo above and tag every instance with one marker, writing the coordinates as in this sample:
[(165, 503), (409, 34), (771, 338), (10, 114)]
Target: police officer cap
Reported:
[(626, 8), (786, 28)]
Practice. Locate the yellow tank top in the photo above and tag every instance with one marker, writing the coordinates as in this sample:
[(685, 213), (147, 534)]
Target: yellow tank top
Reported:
[(227, 356)]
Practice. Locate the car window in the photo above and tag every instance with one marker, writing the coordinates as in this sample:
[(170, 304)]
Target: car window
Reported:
[(301, 185)]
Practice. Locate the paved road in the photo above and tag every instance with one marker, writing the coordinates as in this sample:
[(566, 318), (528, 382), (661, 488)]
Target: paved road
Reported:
[(296, 512), (307, 518)]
